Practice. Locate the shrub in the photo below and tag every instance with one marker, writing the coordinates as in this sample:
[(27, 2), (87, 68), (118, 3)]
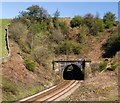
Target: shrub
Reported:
[(98, 26), (41, 54), (18, 31), (38, 27), (30, 64), (112, 46), (25, 48), (103, 66), (8, 86), (76, 48), (88, 20), (63, 26), (80, 37), (83, 31), (114, 66), (95, 67), (109, 19), (68, 47), (76, 21), (56, 36)]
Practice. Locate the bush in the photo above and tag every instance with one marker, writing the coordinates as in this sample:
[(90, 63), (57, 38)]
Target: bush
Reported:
[(114, 66), (80, 37), (76, 49), (56, 36), (30, 64), (98, 26), (76, 21), (68, 47), (38, 27), (83, 31), (25, 48), (8, 86), (95, 67), (18, 31), (112, 46), (41, 54), (109, 19), (88, 20), (102, 66), (63, 26)]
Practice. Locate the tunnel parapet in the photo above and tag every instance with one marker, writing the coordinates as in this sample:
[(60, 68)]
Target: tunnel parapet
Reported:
[(84, 65)]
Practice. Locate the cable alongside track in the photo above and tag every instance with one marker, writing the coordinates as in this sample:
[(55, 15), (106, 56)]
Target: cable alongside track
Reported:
[(53, 93)]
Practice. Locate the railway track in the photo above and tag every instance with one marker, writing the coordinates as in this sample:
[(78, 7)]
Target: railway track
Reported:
[(53, 94)]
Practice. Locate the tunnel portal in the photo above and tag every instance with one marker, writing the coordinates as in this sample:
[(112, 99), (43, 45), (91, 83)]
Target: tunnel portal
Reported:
[(73, 72)]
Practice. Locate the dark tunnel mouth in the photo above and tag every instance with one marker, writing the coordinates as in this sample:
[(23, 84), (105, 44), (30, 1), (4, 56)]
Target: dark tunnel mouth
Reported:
[(73, 72)]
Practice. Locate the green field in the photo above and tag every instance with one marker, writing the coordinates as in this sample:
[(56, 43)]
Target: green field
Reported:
[(3, 24)]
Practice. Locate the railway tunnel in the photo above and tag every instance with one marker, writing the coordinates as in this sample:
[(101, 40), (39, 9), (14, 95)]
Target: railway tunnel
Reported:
[(72, 69), (73, 72)]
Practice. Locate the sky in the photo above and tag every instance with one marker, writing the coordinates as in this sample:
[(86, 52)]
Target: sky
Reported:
[(61, 0), (67, 9)]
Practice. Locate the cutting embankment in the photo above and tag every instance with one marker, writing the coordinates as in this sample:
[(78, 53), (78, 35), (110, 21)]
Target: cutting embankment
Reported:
[(17, 81), (36, 41), (102, 85)]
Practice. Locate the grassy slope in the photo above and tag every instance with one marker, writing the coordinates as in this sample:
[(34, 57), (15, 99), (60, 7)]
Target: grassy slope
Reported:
[(3, 24)]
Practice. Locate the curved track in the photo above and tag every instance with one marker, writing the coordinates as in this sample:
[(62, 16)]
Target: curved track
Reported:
[(53, 93)]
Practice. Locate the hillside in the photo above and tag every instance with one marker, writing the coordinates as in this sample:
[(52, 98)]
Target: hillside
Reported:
[(100, 86), (15, 72), (93, 46), (18, 82), (97, 89)]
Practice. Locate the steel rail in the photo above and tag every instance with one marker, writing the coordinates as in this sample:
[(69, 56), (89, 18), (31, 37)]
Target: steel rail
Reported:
[(56, 92)]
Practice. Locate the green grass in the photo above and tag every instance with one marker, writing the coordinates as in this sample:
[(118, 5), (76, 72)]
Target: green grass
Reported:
[(21, 93), (30, 64), (3, 24), (8, 86), (103, 66), (13, 91)]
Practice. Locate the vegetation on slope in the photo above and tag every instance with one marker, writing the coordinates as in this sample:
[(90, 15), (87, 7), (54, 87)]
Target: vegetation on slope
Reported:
[(42, 37), (13, 91), (113, 44), (40, 28)]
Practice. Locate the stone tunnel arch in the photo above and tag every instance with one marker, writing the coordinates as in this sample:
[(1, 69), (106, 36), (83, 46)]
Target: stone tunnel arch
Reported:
[(73, 72)]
